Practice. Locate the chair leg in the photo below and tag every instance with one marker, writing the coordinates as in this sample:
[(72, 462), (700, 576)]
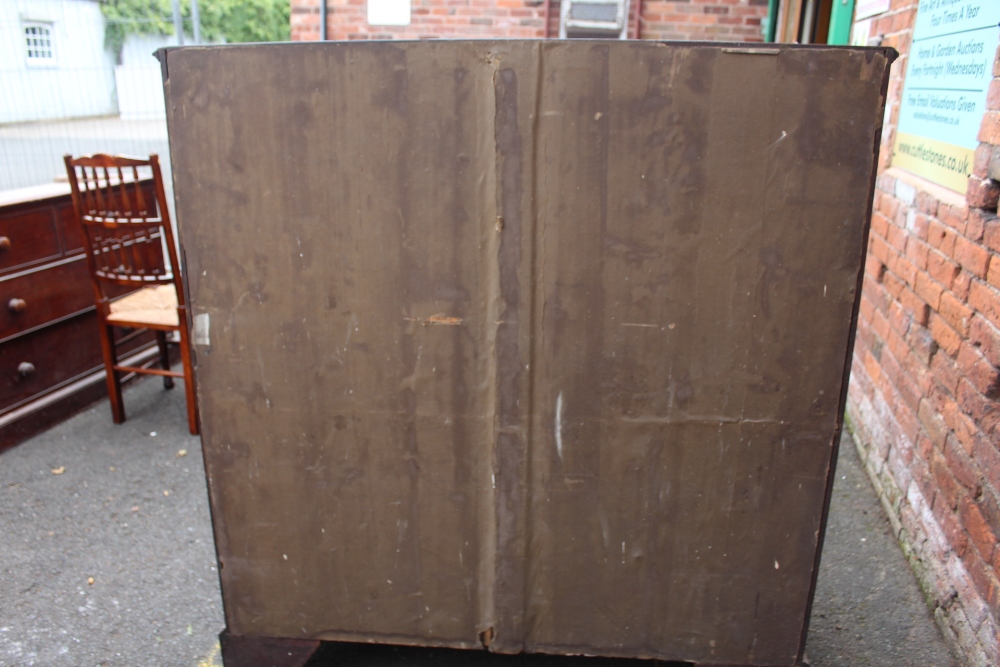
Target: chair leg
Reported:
[(161, 341), (114, 385), (189, 391)]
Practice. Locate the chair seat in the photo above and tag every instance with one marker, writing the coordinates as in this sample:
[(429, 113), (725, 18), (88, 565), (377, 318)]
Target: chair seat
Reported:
[(155, 306)]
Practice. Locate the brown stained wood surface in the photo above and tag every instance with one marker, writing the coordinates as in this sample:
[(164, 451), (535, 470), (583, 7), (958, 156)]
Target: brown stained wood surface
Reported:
[(540, 345), (31, 237), (49, 291)]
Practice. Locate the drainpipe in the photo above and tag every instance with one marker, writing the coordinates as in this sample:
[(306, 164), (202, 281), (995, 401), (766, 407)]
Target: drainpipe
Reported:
[(322, 20), (548, 12), (178, 25), (196, 21), (638, 19)]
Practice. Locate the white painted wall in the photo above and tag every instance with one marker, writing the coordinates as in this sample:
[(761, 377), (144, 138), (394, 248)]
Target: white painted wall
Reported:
[(79, 82), (138, 78), (139, 49), (140, 84)]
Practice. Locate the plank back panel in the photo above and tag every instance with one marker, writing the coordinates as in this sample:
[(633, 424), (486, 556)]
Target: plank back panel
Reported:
[(534, 345)]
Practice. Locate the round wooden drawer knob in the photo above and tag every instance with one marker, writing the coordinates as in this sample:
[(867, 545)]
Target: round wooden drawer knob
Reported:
[(4, 243), (25, 368), (17, 305)]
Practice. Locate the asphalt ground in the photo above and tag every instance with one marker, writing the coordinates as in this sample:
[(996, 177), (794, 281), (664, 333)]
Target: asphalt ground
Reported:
[(110, 562), (98, 564), (868, 610)]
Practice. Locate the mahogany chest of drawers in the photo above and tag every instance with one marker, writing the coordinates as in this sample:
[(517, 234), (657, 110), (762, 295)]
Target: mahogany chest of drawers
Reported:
[(50, 355)]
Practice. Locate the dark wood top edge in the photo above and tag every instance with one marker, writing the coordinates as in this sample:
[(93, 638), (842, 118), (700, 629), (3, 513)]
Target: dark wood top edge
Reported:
[(162, 53)]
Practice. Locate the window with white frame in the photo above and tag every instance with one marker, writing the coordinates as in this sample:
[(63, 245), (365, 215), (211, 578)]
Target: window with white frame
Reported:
[(38, 40)]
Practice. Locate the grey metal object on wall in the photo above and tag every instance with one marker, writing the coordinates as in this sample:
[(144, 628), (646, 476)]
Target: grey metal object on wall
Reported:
[(535, 345)]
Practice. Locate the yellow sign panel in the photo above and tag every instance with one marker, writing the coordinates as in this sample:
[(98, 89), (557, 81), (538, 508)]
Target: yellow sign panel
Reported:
[(948, 71), (946, 164)]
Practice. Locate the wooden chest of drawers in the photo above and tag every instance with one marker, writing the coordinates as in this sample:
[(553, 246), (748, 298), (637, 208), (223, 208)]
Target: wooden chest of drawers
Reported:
[(50, 355)]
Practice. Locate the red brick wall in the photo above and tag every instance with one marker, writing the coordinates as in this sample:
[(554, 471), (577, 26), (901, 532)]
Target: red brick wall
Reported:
[(703, 20), (717, 20), (923, 400)]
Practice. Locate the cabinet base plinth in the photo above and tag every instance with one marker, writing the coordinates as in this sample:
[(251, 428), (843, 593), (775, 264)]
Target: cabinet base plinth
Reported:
[(244, 651)]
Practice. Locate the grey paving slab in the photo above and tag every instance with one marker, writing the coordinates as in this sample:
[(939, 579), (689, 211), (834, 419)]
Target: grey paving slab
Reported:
[(155, 596)]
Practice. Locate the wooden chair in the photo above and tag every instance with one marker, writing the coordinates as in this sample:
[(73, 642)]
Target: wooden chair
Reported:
[(124, 233)]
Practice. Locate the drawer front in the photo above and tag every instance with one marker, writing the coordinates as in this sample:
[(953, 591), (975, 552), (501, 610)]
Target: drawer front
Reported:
[(31, 365), (69, 228), (30, 237), (43, 295)]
